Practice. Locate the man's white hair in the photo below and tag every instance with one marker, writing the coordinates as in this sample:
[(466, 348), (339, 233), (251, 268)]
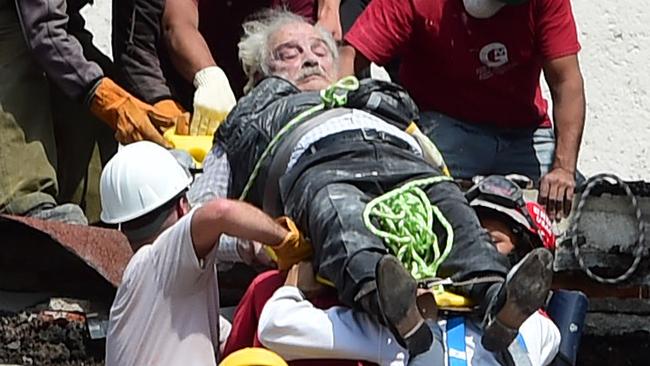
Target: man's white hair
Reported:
[(254, 49)]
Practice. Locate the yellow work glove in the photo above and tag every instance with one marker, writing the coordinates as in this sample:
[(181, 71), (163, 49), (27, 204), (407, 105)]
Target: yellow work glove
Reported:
[(180, 116), (213, 100), (294, 248), (132, 119)]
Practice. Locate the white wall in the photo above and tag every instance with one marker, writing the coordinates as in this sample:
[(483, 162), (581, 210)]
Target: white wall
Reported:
[(98, 20), (615, 58)]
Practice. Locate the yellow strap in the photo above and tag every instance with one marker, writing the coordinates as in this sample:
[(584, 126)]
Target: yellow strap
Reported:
[(429, 149), (411, 128), (450, 300), (324, 281)]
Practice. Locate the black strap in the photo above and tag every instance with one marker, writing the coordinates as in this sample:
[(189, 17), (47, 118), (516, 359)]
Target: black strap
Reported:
[(271, 201)]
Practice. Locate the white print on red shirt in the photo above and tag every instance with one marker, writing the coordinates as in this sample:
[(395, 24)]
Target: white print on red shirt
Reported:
[(494, 57)]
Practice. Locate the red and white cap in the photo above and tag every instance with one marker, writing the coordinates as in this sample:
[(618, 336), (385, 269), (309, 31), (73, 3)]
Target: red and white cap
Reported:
[(542, 223), (544, 229)]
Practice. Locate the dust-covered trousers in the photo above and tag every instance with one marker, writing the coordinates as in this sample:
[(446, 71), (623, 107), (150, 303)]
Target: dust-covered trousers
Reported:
[(327, 191), (45, 137), (27, 149)]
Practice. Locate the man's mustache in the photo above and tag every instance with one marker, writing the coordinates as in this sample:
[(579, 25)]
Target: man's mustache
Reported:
[(310, 71)]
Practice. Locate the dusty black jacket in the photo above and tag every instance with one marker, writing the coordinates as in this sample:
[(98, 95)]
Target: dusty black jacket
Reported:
[(137, 44), (258, 117), (56, 34)]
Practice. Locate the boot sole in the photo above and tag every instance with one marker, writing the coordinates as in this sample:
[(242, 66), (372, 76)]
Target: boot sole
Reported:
[(527, 288), (397, 299)]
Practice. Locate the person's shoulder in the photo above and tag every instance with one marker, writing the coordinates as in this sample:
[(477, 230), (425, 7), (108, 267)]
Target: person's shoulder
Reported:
[(542, 7), (541, 325), (137, 264)]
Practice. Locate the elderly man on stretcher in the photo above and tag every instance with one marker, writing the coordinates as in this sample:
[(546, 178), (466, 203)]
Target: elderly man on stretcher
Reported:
[(344, 163)]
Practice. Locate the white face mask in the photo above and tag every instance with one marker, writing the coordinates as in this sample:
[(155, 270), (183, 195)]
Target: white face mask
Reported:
[(482, 9)]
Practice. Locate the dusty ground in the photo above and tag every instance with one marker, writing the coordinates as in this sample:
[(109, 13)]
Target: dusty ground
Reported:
[(27, 340)]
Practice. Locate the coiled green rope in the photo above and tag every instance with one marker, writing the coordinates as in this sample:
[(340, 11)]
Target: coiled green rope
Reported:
[(336, 95), (405, 217)]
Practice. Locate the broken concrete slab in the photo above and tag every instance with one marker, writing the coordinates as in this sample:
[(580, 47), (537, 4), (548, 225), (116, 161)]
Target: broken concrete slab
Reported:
[(607, 233), (53, 257)]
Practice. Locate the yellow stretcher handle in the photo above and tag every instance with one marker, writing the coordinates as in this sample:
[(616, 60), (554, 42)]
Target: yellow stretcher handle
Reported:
[(197, 146)]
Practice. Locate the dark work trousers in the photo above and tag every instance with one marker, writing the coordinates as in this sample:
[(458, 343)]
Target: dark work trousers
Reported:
[(76, 130), (326, 194)]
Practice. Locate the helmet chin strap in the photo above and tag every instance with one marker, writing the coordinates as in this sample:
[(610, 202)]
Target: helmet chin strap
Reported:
[(482, 9)]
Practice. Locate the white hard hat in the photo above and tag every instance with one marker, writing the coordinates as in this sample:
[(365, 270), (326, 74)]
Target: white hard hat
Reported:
[(141, 177)]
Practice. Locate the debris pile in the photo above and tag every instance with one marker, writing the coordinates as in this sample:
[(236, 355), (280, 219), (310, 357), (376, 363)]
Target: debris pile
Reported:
[(42, 339)]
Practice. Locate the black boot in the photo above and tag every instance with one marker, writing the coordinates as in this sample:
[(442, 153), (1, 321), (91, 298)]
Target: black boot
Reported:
[(396, 294), (524, 292), (435, 355)]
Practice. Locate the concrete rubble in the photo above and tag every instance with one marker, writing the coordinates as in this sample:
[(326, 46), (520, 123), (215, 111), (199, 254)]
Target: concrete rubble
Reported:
[(617, 328), (57, 282)]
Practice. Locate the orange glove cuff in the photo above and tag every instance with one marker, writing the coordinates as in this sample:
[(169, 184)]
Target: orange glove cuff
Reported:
[(106, 101)]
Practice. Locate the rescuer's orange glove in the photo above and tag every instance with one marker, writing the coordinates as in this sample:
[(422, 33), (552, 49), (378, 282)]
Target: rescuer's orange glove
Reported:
[(181, 117), (132, 119), (293, 249)]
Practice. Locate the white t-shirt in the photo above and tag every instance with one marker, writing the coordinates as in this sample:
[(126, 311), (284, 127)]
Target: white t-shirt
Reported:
[(166, 311), (291, 326)]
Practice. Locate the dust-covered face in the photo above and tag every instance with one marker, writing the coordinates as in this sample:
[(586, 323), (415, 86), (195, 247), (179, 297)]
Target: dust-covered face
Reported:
[(300, 55)]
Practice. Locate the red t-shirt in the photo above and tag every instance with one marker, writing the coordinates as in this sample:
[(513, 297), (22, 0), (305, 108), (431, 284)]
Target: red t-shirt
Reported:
[(220, 24), (247, 315), (483, 71)]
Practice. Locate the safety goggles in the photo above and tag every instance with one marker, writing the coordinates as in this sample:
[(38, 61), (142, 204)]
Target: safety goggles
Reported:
[(500, 191)]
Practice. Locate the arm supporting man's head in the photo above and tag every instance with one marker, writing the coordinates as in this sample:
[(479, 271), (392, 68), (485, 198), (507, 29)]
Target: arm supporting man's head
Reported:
[(234, 218)]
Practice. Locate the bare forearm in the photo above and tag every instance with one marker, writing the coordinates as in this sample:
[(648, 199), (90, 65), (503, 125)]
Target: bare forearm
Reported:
[(238, 219), (569, 117), (565, 82), (188, 50), (248, 222), (556, 188), (328, 5)]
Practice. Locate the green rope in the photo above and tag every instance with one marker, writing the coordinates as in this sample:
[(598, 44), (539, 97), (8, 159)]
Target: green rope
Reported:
[(336, 95), (405, 217)]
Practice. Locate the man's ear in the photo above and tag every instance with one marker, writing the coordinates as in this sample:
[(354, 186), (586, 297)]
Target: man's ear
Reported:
[(258, 76), (183, 206)]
